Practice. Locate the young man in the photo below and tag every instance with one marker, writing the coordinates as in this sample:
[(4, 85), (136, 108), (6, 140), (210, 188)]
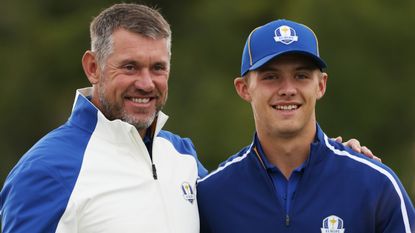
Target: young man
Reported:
[(292, 177)]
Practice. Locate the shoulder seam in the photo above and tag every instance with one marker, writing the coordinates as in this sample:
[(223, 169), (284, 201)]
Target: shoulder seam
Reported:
[(380, 170), (234, 160)]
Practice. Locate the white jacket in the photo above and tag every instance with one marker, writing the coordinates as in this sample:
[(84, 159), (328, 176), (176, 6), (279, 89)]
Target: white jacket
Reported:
[(96, 175)]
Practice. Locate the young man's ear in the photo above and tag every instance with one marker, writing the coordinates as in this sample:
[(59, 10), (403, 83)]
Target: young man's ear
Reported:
[(90, 65), (322, 84), (241, 86)]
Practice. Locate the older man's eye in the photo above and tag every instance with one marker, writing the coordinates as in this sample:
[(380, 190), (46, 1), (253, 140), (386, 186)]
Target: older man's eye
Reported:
[(159, 67), (129, 67)]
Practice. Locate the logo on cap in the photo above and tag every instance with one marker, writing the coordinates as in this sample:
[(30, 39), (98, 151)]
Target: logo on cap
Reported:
[(285, 35)]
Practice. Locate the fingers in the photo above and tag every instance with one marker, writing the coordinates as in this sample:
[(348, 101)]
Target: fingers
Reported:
[(366, 151), (338, 139), (354, 144), (377, 158)]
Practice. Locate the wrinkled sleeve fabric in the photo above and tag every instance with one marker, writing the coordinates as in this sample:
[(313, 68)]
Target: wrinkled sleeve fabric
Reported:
[(33, 200), (395, 212)]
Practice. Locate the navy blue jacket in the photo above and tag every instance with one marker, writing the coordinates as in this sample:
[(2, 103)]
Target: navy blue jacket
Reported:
[(340, 191)]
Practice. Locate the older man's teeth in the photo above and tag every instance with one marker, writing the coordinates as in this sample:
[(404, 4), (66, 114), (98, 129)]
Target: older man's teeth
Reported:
[(287, 107), (140, 100)]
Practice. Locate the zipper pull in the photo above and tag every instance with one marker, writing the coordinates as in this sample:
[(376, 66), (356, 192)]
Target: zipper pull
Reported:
[(153, 166), (287, 220)]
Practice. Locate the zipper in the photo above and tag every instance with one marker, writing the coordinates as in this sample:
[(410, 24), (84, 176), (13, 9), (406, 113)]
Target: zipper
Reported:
[(153, 166), (287, 217), (287, 220)]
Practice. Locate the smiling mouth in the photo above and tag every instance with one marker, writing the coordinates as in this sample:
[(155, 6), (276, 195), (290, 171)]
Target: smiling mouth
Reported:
[(140, 100), (290, 107)]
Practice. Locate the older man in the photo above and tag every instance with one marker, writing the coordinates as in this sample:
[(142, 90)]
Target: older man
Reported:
[(111, 167)]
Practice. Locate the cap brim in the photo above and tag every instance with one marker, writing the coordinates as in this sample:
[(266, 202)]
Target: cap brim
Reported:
[(319, 62)]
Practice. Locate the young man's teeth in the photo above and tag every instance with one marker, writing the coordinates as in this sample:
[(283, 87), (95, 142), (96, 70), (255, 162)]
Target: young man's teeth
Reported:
[(286, 107), (140, 100)]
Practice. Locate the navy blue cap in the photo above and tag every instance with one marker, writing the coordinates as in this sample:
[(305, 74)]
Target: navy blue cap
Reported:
[(277, 38)]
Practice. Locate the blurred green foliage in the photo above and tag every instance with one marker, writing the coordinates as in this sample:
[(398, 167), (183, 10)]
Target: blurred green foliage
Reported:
[(368, 46)]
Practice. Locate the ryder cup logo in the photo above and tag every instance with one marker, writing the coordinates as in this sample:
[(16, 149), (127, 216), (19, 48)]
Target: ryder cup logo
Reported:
[(188, 193), (332, 224), (285, 35)]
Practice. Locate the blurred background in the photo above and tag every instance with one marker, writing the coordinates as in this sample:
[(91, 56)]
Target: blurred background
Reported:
[(368, 45)]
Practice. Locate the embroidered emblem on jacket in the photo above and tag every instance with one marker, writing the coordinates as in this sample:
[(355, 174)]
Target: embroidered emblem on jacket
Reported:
[(332, 224), (188, 193)]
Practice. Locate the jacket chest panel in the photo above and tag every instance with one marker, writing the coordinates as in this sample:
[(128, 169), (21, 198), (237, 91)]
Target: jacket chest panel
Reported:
[(116, 190)]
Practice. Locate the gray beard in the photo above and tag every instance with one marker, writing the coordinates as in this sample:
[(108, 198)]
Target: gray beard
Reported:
[(116, 112)]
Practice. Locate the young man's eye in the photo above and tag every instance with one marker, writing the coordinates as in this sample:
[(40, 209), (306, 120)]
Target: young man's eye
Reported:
[(270, 77), (301, 76)]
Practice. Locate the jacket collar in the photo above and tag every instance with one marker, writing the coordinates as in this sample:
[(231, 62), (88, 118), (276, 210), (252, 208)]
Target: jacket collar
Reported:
[(315, 147), (87, 116)]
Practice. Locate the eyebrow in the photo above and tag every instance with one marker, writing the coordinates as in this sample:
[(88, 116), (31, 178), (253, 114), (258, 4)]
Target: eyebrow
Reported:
[(128, 61), (136, 63), (307, 67), (160, 63), (299, 68)]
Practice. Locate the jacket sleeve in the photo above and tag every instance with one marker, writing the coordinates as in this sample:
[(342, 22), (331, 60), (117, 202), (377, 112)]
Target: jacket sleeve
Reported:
[(395, 212), (32, 200)]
